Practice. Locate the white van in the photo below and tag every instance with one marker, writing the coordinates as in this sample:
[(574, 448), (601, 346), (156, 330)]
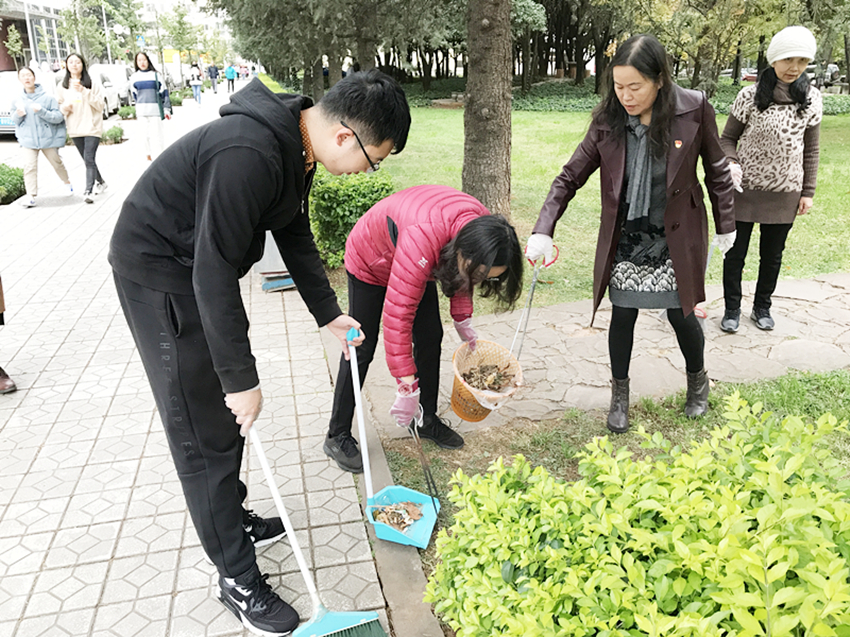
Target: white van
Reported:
[(119, 76), (10, 88)]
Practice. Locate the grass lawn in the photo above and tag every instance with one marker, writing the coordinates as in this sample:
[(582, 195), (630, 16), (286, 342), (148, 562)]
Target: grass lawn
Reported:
[(543, 142), (554, 443)]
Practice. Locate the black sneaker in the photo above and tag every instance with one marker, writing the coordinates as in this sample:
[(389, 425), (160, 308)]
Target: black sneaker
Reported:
[(256, 605), (438, 431), (761, 317), (263, 531), (731, 320), (343, 448)]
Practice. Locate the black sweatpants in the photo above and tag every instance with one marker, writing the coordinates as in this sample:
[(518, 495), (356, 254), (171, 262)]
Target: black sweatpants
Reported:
[(771, 246), (621, 336), (87, 147), (202, 432), (366, 305)]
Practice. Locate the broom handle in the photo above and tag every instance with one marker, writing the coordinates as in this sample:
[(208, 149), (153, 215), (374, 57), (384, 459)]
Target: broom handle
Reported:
[(287, 524), (358, 401)]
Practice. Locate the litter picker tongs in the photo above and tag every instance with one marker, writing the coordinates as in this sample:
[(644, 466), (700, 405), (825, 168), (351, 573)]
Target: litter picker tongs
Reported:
[(526, 311), (423, 459)]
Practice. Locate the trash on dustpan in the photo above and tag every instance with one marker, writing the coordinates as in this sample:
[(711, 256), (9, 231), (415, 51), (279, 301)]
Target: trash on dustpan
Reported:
[(418, 533)]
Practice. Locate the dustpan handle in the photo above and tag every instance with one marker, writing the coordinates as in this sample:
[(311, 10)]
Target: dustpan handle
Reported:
[(358, 402), (287, 524)]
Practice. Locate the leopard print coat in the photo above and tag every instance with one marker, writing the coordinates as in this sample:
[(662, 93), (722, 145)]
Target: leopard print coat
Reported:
[(771, 147)]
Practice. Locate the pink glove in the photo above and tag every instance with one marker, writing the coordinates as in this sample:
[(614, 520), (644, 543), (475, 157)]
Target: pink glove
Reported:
[(465, 331), (406, 405)]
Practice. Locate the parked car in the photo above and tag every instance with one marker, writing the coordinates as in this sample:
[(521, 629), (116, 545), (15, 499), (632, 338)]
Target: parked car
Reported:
[(119, 76), (111, 99), (749, 75), (10, 87)]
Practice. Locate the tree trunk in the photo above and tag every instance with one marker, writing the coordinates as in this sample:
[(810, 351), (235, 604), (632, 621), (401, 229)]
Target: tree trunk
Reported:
[(425, 68), (697, 69), (846, 56), (736, 67), (526, 62), (487, 112), (581, 65), (334, 68), (762, 60), (307, 80), (318, 79)]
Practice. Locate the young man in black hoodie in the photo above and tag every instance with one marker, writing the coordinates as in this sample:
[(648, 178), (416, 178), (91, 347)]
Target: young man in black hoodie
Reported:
[(193, 225)]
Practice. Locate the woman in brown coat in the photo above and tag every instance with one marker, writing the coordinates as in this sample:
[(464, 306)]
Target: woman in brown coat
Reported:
[(646, 136)]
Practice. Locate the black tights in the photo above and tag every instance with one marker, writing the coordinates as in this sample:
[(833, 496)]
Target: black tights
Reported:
[(621, 336)]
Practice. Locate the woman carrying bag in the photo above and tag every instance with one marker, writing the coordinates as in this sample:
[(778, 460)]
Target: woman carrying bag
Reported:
[(196, 81), (152, 104), (646, 135), (81, 101), (772, 141), (39, 127)]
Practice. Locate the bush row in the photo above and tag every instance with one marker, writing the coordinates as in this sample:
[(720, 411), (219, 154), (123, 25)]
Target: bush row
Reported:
[(11, 184), (744, 533)]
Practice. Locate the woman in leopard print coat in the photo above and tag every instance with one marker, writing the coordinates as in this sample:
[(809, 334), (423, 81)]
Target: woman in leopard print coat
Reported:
[(771, 140)]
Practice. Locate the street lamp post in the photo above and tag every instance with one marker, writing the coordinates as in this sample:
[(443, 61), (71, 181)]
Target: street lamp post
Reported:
[(33, 47)]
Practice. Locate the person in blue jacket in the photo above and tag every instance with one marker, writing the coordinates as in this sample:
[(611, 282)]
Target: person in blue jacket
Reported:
[(39, 126)]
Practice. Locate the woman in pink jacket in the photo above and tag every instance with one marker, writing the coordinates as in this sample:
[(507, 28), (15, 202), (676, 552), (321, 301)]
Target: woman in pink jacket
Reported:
[(395, 256)]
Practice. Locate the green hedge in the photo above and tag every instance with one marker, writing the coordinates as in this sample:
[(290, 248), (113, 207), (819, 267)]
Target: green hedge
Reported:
[(336, 203), (114, 135), (11, 184), (176, 99), (745, 533), (127, 112)]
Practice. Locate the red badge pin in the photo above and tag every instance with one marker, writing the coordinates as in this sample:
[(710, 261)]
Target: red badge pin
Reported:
[(678, 143)]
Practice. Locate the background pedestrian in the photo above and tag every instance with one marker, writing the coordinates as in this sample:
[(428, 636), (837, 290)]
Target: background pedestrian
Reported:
[(40, 128), (152, 103)]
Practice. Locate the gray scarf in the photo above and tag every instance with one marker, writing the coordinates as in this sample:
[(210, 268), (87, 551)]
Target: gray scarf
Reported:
[(640, 178)]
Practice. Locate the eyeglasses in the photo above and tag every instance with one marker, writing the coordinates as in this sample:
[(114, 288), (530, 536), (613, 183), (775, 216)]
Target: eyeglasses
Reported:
[(373, 166)]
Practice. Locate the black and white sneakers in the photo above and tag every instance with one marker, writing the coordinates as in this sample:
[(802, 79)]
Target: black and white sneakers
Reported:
[(263, 531), (256, 605)]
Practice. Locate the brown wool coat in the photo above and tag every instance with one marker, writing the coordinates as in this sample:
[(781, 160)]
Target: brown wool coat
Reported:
[(693, 134)]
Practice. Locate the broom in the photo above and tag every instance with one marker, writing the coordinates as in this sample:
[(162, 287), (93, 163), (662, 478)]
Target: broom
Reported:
[(323, 622)]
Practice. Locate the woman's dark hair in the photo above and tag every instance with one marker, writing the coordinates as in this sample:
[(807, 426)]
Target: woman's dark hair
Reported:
[(486, 242), (85, 78), (799, 90), (25, 68), (646, 54), (151, 67)]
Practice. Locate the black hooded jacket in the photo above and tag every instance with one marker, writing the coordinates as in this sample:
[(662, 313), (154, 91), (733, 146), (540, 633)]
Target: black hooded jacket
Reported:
[(195, 222)]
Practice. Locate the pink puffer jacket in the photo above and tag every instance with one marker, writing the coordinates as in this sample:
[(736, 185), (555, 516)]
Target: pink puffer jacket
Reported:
[(426, 218)]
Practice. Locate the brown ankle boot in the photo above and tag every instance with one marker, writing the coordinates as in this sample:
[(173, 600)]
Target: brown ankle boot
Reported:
[(696, 403), (7, 385), (618, 414)]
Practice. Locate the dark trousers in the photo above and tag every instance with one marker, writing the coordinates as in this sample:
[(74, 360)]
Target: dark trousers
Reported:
[(87, 147), (621, 336), (230, 85), (771, 246), (202, 432), (366, 305)]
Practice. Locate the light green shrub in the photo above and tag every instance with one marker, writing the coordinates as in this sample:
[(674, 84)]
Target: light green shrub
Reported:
[(11, 184), (744, 534), (336, 203)]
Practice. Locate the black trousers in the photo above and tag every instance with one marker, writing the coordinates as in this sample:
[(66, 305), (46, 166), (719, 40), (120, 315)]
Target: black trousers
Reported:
[(87, 147), (771, 246), (366, 305), (230, 85), (202, 432), (621, 336)]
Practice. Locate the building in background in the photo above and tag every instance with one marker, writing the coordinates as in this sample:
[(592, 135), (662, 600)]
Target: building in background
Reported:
[(44, 14)]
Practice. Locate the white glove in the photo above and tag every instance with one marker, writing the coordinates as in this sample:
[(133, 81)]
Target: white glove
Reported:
[(737, 175), (539, 245), (724, 242)]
